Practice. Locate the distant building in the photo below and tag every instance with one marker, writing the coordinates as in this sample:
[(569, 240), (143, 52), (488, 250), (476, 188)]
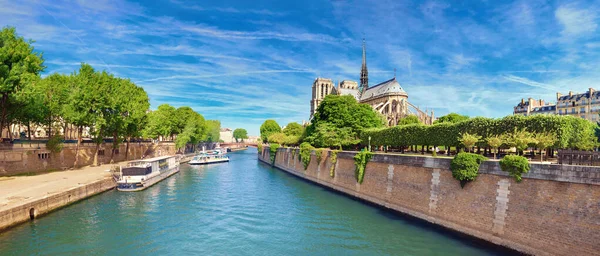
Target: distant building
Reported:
[(387, 98), (585, 105), (226, 135)]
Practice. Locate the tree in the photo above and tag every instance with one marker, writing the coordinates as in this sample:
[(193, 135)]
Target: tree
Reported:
[(79, 109), (452, 118), (520, 139), (279, 138), (161, 122), (193, 132), (495, 142), (327, 135), (342, 114), (544, 141), (18, 64), (240, 134), (267, 128), (213, 129), (469, 140), (136, 118), (410, 119), (293, 129)]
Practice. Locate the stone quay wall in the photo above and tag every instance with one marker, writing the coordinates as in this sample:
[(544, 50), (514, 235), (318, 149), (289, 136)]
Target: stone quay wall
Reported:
[(29, 211), (31, 160), (555, 210)]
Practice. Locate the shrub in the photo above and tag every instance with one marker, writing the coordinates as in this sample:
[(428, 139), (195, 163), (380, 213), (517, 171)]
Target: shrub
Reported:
[(360, 160), (515, 166), (273, 151), (305, 150), (260, 148), (319, 152), (55, 144), (465, 167), (333, 162)]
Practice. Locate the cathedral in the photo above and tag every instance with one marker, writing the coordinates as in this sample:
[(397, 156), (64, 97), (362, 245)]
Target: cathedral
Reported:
[(387, 98)]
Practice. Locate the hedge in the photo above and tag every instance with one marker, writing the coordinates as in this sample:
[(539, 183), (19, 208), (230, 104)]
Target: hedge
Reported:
[(572, 132)]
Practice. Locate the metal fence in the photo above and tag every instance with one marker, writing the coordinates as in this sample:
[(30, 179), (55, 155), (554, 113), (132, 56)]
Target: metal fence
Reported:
[(577, 157)]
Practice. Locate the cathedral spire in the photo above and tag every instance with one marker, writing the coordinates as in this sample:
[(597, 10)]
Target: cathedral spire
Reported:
[(364, 73)]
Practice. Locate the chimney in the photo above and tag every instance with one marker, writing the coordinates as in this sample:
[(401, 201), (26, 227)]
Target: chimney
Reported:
[(558, 94), (522, 101), (570, 93), (541, 102), (591, 92)]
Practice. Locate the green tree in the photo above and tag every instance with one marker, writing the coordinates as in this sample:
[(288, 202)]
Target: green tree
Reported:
[(79, 108), (469, 140), (293, 129), (278, 138), (344, 114), (495, 142), (544, 141), (267, 128), (410, 119), (327, 135), (55, 91), (451, 118), (18, 65), (519, 139), (162, 122), (213, 129), (135, 117), (240, 134)]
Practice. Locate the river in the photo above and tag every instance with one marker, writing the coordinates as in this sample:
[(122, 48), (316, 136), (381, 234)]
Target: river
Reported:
[(243, 207)]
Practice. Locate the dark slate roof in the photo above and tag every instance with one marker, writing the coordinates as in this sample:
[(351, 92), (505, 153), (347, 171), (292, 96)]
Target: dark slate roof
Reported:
[(578, 96)]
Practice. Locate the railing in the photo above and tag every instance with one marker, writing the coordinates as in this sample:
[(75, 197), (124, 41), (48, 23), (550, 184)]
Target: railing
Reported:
[(577, 157)]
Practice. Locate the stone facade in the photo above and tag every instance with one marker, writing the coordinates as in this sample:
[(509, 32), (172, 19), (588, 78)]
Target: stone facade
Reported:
[(585, 105), (30, 160), (555, 210), (388, 98)]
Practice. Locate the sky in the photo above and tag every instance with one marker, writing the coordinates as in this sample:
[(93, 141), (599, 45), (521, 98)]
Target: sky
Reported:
[(246, 61)]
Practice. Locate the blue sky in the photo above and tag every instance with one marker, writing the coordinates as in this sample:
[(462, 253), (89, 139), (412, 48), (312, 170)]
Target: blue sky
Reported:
[(245, 61)]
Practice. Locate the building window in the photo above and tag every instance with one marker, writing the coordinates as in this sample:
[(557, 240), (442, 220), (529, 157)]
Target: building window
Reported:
[(573, 103), (560, 111), (573, 111), (582, 116), (582, 110), (43, 155), (583, 101)]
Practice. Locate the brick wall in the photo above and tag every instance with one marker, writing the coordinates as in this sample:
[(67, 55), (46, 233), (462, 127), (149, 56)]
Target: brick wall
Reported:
[(555, 210), (27, 160)]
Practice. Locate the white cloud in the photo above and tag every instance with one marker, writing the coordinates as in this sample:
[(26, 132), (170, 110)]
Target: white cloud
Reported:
[(576, 21)]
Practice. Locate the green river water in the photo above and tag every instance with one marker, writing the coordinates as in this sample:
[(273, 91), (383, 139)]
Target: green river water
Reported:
[(243, 207)]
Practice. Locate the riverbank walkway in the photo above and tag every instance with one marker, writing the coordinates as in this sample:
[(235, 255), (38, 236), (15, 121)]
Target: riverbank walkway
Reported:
[(20, 190)]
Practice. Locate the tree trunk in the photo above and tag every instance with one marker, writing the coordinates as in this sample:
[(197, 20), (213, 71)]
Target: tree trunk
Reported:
[(29, 130), (95, 163), (79, 130), (541, 156), (114, 146), (10, 133), (127, 148), (3, 114)]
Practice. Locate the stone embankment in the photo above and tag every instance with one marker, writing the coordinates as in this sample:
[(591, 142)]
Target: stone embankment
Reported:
[(20, 159), (555, 210), (24, 198)]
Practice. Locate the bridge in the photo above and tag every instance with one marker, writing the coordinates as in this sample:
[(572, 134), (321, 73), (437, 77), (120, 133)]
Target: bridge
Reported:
[(238, 145)]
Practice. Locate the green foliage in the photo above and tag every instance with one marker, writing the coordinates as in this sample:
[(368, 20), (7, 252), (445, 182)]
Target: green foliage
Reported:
[(293, 129), (451, 118), (278, 138), (273, 151), (55, 143), (240, 134), (291, 140), (319, 153), (341, 115), (19, 65), (520, 139), (162, 122), (410, 119), (360, 161), (515, 166), (494, 142), (213, 129), (327, 135), (267, 128), (469, 140), (333, 162), (465, 167), (305, 151), (434, 153), (259, 146), (570, 132)]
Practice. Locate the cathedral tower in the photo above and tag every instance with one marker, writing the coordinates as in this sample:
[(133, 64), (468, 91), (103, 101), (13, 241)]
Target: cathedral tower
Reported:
[(364, 73)]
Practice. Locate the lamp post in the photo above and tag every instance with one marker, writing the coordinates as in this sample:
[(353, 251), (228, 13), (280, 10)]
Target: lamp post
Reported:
[(369, 143)]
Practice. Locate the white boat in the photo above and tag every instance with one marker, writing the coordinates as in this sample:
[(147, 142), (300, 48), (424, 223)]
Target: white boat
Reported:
[(204, 158), (141, 174)]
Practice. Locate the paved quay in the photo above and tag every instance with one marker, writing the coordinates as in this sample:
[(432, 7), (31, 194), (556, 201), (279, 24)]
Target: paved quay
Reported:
[(24, 197)]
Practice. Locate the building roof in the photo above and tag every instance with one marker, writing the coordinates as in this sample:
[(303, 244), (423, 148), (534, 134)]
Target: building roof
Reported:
[(225, 130), (578, 96), (388, 87), (354, 92)]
